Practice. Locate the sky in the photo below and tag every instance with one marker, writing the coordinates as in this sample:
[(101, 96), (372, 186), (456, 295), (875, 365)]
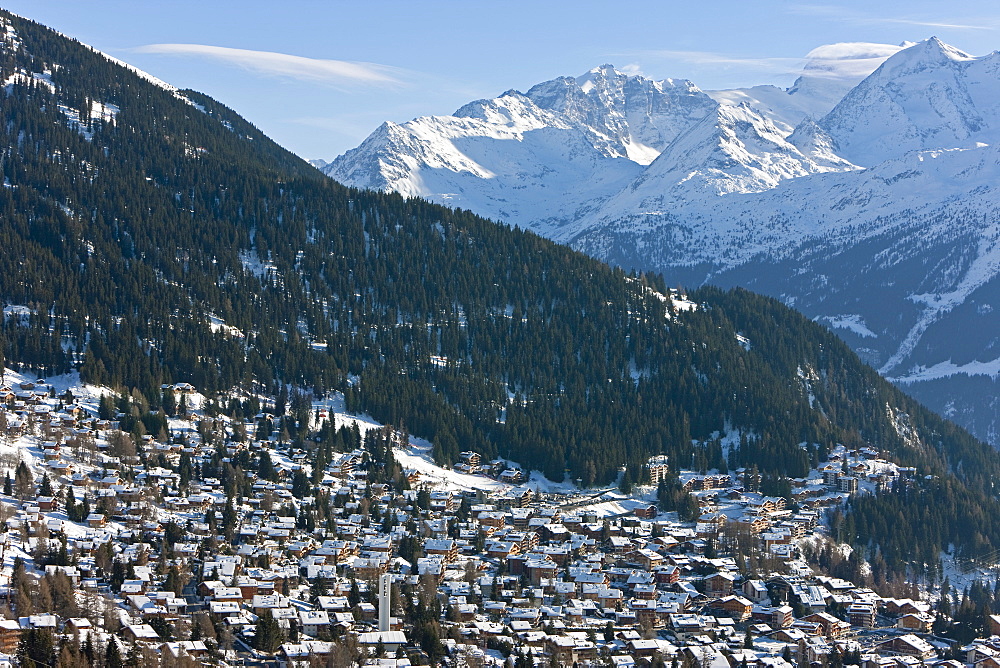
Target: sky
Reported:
[(318, 76)]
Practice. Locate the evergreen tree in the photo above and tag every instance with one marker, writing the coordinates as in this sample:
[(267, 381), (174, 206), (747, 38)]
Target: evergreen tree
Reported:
[(113, 654), (45, 487), (24, 482), (268, 635), (36, 649)]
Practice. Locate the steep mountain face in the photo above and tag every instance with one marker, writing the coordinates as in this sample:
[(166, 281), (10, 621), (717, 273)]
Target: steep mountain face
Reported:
[(623, 116), (493, 156), (521, 158), (873, 213)]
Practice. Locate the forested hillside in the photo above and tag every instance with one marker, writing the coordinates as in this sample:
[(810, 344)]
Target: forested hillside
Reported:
[(157, 237)]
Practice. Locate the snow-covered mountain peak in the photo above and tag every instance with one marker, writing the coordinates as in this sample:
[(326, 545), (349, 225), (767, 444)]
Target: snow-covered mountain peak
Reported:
[(936, 46), (624, 115), (512, 110), (593, 79), (927, 96), (929, 54)]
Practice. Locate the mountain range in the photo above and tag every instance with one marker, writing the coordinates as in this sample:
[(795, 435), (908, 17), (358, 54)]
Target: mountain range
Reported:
[(868, 203)]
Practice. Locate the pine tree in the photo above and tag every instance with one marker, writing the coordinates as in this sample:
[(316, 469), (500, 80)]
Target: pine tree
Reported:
[(24, 484), (113, 654), (36, 649), (268, 635)]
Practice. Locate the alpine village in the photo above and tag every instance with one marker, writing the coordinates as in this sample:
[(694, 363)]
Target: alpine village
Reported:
[(252, 417)]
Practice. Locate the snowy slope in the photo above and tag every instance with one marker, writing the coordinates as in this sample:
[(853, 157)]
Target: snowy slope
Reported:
[(734, 150)]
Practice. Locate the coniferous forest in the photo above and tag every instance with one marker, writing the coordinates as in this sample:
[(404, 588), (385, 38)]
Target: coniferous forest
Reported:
[(171, 241)]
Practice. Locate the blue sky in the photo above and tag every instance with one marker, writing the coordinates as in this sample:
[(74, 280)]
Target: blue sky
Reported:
[(318, 76)]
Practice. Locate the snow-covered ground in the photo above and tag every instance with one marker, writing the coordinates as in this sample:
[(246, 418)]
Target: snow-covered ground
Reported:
[(418, 457)]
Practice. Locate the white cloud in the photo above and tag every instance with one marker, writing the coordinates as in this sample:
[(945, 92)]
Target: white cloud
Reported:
[(712, 58), (844, 60), (851, 16), (330, 72), (932, 24), (848, 60)]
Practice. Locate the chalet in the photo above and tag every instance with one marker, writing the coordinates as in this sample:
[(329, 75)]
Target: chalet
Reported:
[(305, 653), (909, 645), (755, 590), (920, 622), (619, 545), (220, 610), (10, 635), (234, 594), (645, 559), (470, 459), (780, 617), (736, 607), (565, 650), (46, 503), (369, 569), (519, 517), (446, 548), (78, 625), (192, 648), (492, 518), (719, 584), (143, 633), (687, 625), (442, 501), (314, 622), (904, 606), (832, 627), (755, 524), (501, 549), (766, 505), (993, 623), (540, 569), (512, 476)]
